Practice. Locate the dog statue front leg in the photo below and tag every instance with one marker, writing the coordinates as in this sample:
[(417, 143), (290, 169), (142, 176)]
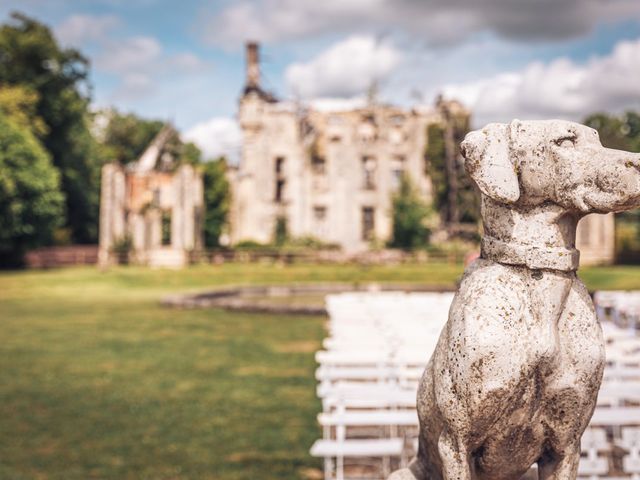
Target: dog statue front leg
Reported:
[(561, 467), (454, 457)]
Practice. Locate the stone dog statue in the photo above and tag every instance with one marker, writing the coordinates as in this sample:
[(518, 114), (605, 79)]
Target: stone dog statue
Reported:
[(514, 377)]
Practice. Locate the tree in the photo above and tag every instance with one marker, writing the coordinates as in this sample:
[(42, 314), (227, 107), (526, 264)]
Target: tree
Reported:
[(31, 58), (126, 136), (189, 153), (409, 214), (622, 133), (455, 196), (280, 231), (31, 204), (216, 201), (20, 103)]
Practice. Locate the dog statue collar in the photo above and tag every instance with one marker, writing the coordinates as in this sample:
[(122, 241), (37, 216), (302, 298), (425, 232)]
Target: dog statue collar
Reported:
[(531, 256)]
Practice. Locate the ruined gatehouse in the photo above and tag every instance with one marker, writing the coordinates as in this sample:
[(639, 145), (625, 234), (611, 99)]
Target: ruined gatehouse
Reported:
[(152, 210)]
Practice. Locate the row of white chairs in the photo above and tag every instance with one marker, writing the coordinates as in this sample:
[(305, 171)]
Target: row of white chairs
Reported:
[(621, 308), (374, 357)]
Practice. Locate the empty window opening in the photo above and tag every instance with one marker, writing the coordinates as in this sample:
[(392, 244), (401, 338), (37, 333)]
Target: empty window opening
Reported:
[(319, 213), (156, 197), (397, 171), (279, 197), (166, 227), (368, 223), (369, 173), (318, 165)]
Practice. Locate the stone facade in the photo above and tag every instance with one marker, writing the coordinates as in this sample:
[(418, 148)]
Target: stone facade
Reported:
[(330, 174), (327, 174), (595, 239), (154, 205)]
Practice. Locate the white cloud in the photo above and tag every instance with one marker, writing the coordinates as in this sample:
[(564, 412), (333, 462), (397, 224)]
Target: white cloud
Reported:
[(218, 136), (186, 61), (77, 30), (134, 53), (134, 84), (278, 20), (561, 88), (345, 69), (433, 21), (141, 63)]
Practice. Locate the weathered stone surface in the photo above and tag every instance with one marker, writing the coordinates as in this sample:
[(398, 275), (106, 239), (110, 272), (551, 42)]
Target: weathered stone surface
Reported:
[(515, 375)]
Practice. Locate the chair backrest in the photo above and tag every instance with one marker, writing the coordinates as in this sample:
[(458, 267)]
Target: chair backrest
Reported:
[(631, 437), (594, 439)]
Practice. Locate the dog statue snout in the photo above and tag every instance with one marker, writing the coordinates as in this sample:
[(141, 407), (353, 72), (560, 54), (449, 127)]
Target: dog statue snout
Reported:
[(611, 185)]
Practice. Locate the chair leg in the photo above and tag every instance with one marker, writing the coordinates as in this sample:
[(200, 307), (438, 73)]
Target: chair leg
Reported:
[(328, 468), (386, 470)]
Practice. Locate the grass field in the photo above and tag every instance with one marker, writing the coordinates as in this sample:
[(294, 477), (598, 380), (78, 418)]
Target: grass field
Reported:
[(98, 381)]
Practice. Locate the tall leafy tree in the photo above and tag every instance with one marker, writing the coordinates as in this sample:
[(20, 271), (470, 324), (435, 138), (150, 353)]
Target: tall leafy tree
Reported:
[(217, 201), (455, 196), (409, 215), (126, 136), (31, 58), (31, 204), (20, 104), (621, 132)]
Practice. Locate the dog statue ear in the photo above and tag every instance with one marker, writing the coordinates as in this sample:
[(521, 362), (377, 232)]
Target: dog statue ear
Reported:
[(488, 162)]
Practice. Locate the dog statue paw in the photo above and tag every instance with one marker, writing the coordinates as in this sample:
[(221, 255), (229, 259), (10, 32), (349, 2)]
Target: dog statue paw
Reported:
[(403, 474), (514, 378)]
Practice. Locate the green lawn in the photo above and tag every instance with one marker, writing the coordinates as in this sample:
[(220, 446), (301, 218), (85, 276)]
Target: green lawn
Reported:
[(98, 381)]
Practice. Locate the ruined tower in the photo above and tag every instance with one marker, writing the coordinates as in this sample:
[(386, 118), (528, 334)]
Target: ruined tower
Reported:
[(253, 67)]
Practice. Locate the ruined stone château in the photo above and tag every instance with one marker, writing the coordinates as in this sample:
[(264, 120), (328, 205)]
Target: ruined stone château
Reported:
[(153, 205), (325, 174), (330, 174)]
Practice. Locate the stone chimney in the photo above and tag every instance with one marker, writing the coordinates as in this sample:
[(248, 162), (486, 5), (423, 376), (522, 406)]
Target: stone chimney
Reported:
[(253, 65)]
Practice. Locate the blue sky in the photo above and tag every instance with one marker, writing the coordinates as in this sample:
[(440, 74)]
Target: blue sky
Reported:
[(184, 61)]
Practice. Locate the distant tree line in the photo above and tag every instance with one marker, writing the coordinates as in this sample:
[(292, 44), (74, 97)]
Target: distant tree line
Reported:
[(52, 146), (621, 132)]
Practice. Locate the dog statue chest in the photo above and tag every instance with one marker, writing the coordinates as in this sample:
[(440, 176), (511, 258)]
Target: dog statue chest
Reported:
[(547, 295)]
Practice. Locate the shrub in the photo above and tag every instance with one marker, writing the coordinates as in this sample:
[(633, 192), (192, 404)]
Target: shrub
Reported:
[(409, 214), (31, 203)]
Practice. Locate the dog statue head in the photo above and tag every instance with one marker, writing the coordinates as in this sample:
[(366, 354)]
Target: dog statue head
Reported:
[(531, 163)]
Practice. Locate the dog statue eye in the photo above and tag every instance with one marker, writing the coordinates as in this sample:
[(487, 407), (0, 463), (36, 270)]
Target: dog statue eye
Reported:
[(569, 141)]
